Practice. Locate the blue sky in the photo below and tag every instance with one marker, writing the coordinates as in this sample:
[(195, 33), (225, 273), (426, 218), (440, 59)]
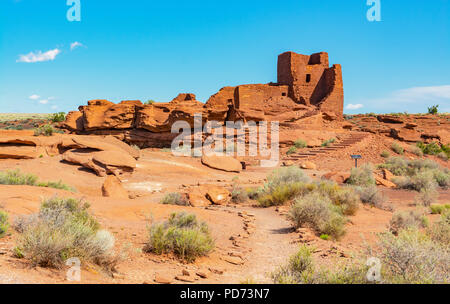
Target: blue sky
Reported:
[(144, 50)]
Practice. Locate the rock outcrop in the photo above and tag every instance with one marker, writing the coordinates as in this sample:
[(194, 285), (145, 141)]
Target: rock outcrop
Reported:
[(306, 87)]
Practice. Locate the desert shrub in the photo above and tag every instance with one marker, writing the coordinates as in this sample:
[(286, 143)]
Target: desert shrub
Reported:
[(443, 156), (385, 154), (4, 225), (283, 193), (300, 269), (423, 180), (300, 143), (285, 176), (439, 208), (433, 109), (371, 195), (328, 142), (440, 230), (149, 102), (45, 130), (397, 148), (406, 220), (319, 213), (362, 176), (255, 193), (291, 150), (431, 148), (174, 198), (62, 229), (344, 197), (426, 197), (416, 150), (15, 177), (58, 117), (238, 194), (183, 235), (413, 257)]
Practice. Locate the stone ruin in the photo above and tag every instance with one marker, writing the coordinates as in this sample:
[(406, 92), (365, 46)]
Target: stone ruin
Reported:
[(306, 86)]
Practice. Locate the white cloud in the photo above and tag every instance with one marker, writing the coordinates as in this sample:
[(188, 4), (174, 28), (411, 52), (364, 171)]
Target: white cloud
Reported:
[(354, 106), (54, 107), (43, 101), (34, 97), (75, 44), (39, 56)]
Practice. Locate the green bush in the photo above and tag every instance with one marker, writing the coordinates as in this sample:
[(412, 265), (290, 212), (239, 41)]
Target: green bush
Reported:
[(183, 235), (300, 143), (291, 150), (45, 130), (174, 198), (431, 148), (439, 208), (385, 154), (58, 117), (362, 176), (149, 102), (406, 220), (397, 148), (255, 193), (319, 213), (15, 177), (4, 225), (433, 109), (328, 142), (64, 229)]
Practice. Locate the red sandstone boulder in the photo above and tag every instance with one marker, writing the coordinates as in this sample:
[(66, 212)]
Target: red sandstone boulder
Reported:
[(101, 162), (308, 165), (217, 195), (112, 187), (74, 121), (102, 114), (387, 175), (197, 198), (382, 182), (338, 177), (405, 135), (224, 163)]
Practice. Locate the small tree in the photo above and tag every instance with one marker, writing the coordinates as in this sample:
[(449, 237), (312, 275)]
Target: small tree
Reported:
[(433, 109)]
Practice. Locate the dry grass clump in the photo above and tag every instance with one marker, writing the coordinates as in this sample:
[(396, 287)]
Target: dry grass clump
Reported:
[(4, 225), (397, 148), (63, 229), (414, 257), (15, 177), (371, 195), (174, 198), (183, 235), (301, 269), (406, 220)]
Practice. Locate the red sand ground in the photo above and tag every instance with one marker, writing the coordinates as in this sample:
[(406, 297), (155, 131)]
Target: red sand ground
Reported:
[(272, 242)]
